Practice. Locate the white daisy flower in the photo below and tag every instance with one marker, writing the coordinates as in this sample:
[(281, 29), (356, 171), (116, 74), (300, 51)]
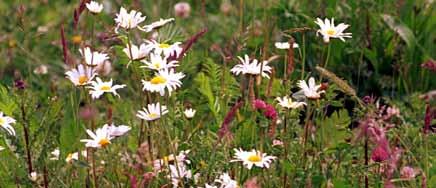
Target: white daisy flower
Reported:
[(81, 76), (156, 24), (166, 49), (137, 53), (285, 45), (189, 113), (93, 58), (75, 156), (286, 102), (152, 113), (115, 131), (160, 164), (177, 172), (99, 87), (253, 157), (157, 62), (226, 181), (209, 186), (42, 69), (55, 154), (5, 122), (33, 176), (329, 30), (128, 20), (166, 78), (71, 157), (309, 90), (99, 139), (252, 68), (94, 7)]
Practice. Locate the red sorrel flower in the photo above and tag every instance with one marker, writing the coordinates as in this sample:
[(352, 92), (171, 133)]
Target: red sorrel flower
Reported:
[(429, 115), (380, 154), (20, 84), (430, 65), (268, 110), (225, 126), (187, 46)]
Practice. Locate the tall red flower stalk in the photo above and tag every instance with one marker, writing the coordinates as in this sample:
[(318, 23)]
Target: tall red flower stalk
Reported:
[(78, 11), (429, 115), (187, 46), (64, 45), (225, 126)]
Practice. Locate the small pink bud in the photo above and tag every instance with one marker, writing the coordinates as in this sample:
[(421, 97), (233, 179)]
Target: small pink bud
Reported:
[(182, 9), (277, 143), (408, 172)]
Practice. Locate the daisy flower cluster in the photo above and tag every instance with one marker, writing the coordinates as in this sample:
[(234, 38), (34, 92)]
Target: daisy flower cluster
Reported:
[(174, 166), (85, 74), (155, 57)]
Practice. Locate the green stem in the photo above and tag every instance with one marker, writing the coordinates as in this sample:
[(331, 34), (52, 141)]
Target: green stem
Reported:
[(426, 155), (303, 59), (327, 57)]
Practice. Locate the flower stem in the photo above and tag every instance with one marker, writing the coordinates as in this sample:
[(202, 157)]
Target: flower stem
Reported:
[(328, 56), (26, 138), (303, 59)]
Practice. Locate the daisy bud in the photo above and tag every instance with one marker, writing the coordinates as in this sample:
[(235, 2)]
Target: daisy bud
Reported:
[(42, 69), (94, 7), (277, 143), (33, 176), (182, 9), (189, 113)]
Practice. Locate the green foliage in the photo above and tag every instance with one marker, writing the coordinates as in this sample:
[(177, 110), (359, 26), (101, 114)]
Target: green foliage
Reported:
[(7, 102), (321, 146), (334, 129)]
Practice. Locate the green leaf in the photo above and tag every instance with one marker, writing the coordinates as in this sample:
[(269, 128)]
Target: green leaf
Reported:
[(7, 102), (204, 87), (70, 132), (334, 128)]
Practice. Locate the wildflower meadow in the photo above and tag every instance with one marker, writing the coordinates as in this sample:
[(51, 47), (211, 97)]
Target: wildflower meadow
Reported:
[(218, 93)]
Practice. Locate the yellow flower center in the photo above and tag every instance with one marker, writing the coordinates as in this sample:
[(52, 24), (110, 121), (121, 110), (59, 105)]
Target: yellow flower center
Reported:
[(156, 65), (254, 158), (12, 43), (164, 45), (330, 32), (104, 142), (158, 80), (153, 115), (105, 88), (83, 79), (2, 121), (69, 157), (77, 39)]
